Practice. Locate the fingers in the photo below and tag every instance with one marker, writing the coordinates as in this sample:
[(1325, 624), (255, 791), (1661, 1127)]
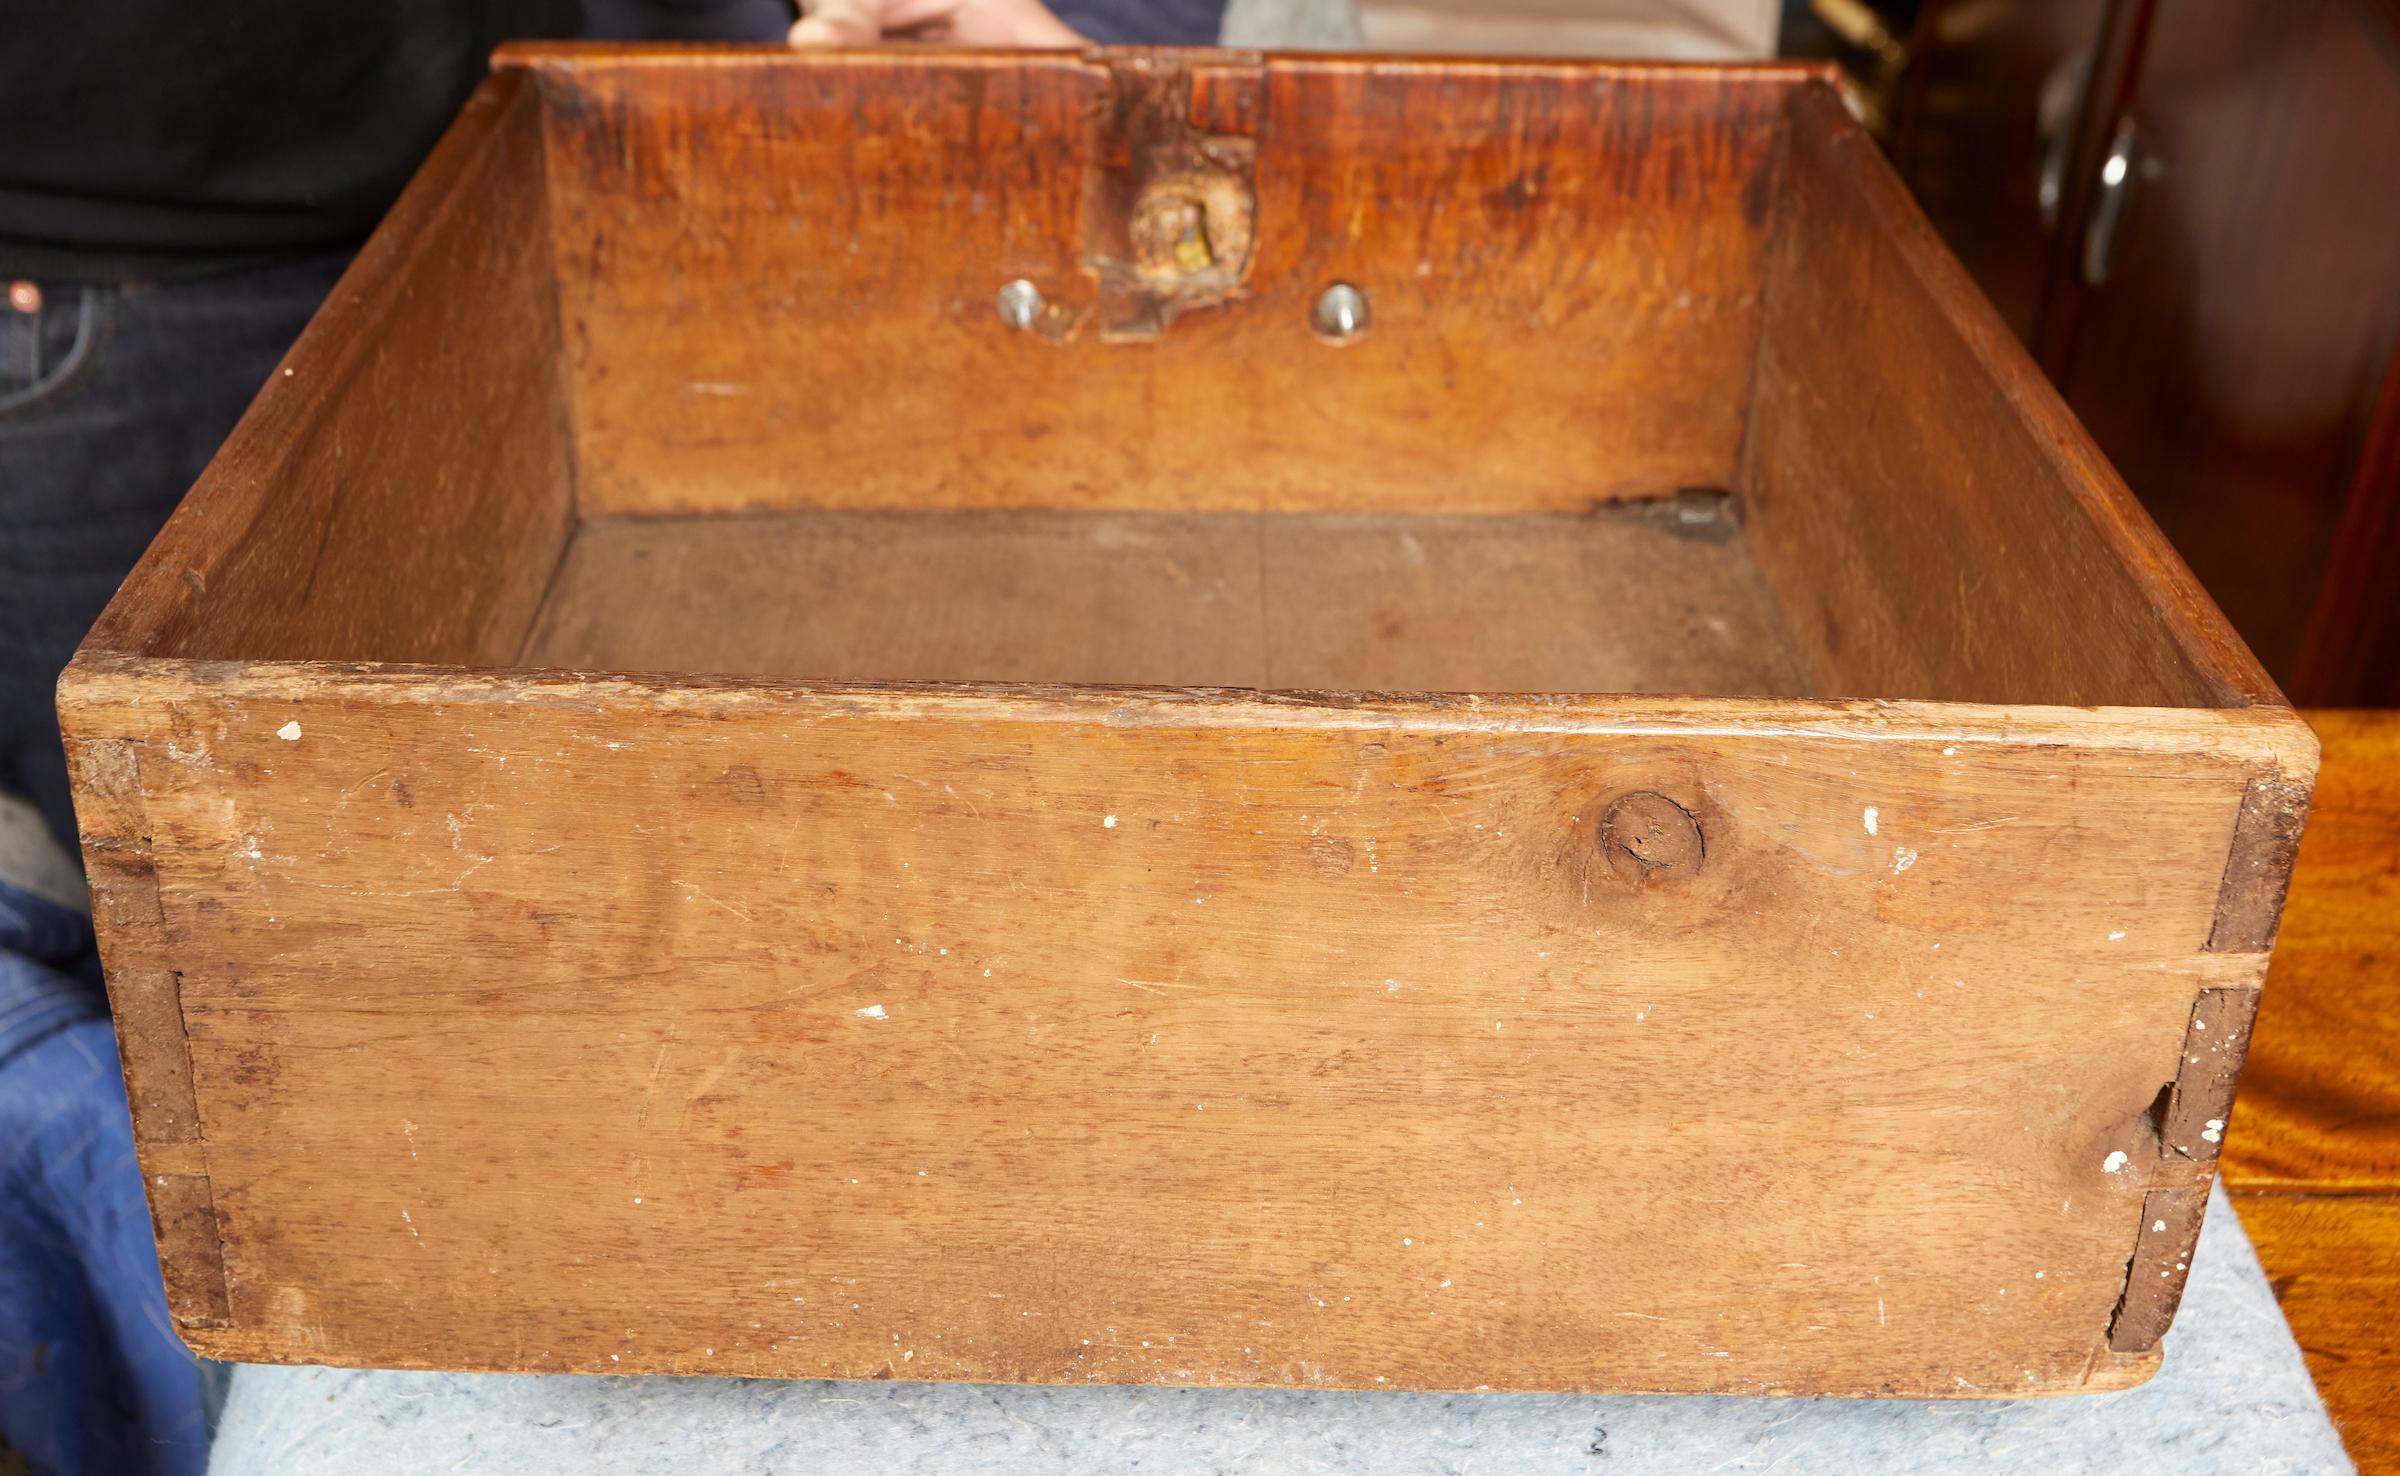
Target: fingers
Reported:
[(1004, 23), (839, 23), (1025, 23)]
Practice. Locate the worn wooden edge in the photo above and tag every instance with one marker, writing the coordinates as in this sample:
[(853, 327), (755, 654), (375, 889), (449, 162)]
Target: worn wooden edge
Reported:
[(564, 57), (2109, 1371), (2162, 1263), (2242, 739), (554, 288), (2258, 869), (2198, 628), (233, 492), (153, 1050)]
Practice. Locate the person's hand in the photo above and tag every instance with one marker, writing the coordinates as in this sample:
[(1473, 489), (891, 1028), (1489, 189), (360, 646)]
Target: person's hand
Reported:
[(1024, 23)]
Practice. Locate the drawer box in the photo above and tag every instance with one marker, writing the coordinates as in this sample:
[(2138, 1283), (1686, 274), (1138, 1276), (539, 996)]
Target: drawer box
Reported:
[(1631, 807)]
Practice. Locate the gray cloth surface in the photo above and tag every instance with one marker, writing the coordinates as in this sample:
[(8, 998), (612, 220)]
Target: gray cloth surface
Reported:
[(1291, 25), (2233, 1397)]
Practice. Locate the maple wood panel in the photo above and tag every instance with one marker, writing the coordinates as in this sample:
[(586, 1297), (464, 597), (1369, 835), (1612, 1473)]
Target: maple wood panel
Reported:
[(940, 1035), (778, 275)]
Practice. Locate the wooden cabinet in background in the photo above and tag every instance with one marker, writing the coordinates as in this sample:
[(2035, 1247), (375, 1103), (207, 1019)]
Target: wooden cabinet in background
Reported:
[(2214, 284)]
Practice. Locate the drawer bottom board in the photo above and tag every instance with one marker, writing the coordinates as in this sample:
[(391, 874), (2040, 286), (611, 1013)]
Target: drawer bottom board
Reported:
[(1657, 596)]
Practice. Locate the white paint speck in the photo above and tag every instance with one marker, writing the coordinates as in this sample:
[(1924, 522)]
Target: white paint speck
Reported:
[(2214, 1131), (2113, 1162), (2117, 936), (1902, 859), (637, 1199), (876, 1012), (289, 732), (1108, 822), (2157, 1225), (1879, 1318), (1870, 818), (1404, 1240), (1950, 751)]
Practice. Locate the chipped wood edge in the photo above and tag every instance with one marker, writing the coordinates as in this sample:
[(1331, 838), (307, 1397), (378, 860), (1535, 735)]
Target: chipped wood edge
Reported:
[(2258, 868), (2193, 1112), (2241, 740), (153, 1048)]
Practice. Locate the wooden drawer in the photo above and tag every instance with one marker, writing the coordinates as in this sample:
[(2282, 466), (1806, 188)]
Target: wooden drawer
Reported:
[(684, 797)]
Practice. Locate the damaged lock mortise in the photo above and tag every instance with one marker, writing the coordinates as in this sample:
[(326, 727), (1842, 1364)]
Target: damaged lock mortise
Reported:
[(1170, 203)]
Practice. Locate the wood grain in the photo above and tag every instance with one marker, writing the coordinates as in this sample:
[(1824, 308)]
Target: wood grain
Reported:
[(399, 491), (1166, 1032), (2335, 1266), (1902, 436), (739, 1044), (1655, 597), (839, 226)]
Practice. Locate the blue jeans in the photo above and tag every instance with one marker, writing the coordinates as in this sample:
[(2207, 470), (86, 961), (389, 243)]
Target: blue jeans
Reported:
[(112, 398), (111, 401)]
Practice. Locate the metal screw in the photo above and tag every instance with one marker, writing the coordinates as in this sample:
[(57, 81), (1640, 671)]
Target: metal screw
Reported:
[(1340, 313), (1020, 304)]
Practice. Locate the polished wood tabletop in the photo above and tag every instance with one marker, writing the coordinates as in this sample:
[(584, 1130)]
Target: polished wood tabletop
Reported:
[(2313, 1152)]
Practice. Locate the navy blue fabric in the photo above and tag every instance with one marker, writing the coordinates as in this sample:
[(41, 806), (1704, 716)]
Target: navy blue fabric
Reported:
[(1144, 22), (92, 1376), (111, 401), (49, 973)]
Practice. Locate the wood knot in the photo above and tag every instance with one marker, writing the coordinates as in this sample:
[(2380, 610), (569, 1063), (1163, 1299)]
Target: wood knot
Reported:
[(1645, 834)]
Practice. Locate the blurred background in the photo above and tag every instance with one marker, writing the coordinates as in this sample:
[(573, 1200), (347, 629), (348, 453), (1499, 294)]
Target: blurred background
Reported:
[(2190, 214)]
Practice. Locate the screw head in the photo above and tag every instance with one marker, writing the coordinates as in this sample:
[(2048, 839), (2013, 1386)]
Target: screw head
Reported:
[(1341, 312), (1020, 304)]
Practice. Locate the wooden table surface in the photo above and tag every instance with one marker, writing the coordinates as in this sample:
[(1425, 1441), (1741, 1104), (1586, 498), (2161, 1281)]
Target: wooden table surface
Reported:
[(2313, 1152)]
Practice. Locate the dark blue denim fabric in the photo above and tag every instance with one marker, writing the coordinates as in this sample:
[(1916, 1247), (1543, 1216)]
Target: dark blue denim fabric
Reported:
[(1144, 22), (92, 1376), (111, 401)]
